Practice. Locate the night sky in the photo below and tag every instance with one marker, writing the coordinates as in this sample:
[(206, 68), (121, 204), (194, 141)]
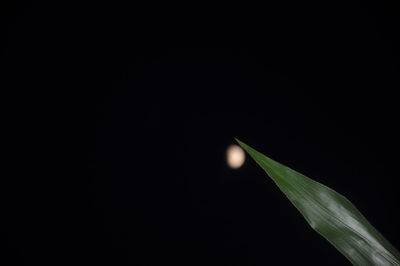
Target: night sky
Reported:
[(118, 118)]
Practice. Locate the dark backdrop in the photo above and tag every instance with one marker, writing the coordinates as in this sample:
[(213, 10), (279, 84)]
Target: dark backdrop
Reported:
[(122, 116)]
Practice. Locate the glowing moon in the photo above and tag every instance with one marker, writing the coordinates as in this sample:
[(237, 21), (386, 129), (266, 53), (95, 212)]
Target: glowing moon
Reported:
[(235, 156)]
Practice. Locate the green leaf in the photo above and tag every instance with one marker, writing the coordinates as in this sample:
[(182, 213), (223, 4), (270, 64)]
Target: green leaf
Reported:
[(330, 214)]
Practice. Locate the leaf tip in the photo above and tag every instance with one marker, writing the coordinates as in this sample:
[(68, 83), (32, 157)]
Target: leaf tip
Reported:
[(242, 144)]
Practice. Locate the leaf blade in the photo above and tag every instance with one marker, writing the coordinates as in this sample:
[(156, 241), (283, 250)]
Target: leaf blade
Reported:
[(330, 214)]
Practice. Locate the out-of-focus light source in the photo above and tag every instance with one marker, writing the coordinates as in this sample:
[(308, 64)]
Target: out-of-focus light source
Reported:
[(235, 156)]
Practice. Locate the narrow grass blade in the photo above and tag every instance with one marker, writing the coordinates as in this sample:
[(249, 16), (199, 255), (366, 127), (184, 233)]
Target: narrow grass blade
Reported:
[(330, 214)]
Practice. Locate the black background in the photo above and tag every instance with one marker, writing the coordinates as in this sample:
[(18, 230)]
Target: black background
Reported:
[(118, 117)]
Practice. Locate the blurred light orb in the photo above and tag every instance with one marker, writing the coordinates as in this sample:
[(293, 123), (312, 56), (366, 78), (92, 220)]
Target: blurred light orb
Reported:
[(235, 156)]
